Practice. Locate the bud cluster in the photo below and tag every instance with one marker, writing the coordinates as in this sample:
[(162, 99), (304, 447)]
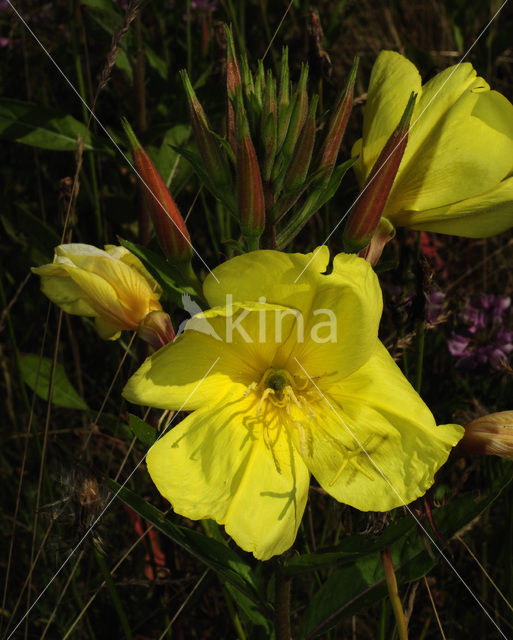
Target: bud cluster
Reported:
[(269, 169)]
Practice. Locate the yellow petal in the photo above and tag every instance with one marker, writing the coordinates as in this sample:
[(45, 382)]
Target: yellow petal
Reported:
[(102, 297), (338, 314), (456, 161), (478, 217), (216, 464), (436, 99), (60, 288), (281, 278), (218, 353), (106, 330), (341, 329), (375, 444), (392, 80), (128, 258)]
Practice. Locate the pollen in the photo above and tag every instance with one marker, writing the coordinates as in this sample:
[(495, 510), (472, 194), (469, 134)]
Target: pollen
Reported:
[(284, 401)]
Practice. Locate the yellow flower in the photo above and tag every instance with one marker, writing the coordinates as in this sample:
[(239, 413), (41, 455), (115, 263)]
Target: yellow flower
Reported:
[(112, 286), (456, 173), (287, 380)]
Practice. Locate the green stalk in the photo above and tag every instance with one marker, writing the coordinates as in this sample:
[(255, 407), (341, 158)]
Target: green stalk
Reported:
[(90, 156), (393, 594), (189, 40), (419, 333), (281, 605), (113, 593)]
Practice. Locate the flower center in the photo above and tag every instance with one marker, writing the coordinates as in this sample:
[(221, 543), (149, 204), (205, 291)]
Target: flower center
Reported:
[(277, 380)]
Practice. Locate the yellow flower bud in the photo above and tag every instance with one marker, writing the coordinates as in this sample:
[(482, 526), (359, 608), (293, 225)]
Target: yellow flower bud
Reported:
[(112, 286), (490, 435)]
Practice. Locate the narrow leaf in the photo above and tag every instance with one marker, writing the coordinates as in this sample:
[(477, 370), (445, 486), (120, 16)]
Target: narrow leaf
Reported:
[(144, 432)]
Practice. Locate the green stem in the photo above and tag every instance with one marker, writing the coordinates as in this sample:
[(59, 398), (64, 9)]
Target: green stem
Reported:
[(420, 338), (253, 243), (395, 600), (113, 593), (281, 605), (85, 116)]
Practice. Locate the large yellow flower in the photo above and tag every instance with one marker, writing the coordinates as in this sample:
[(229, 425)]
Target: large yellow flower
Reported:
[(456, 173), (285, 379), (112, 286)]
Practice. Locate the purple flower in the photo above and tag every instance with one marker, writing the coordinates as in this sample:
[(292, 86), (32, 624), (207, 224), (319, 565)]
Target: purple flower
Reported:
[(434, 305), (458, 345), (482, 338)]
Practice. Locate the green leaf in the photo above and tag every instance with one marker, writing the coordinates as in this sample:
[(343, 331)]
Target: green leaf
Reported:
[(214, 554), (315, 200), (142, 430), (349, 550), (156, 62), (166, 158), (168, 276), (223, 193), (104, 5), (361, 582), (36, 126), (64, 395)]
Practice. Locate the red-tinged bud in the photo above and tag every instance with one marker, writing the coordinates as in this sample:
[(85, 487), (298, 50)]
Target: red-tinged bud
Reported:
[(298, 114), (156, 329), (208, 146), (233, 80), (167, 220), (490, 435), (366, 213), (337, 126), (250, 194), (233, 77)]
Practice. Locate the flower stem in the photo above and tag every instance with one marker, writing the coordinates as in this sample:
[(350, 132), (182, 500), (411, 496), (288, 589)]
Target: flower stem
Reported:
[(281, 605), (395, 600)]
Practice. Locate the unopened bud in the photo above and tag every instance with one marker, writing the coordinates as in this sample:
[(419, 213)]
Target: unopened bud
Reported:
[(366, 213), (156, 329), (233, 80), (169, 225), (250, 194), (212, 159), (295, 176), (337, 126), (268, 126), (300, 162), (490, 435), (284, 105), (298, 115)]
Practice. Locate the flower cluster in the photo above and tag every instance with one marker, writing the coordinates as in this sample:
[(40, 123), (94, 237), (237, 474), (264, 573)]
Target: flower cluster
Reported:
[(483, 338), (284, 377)]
